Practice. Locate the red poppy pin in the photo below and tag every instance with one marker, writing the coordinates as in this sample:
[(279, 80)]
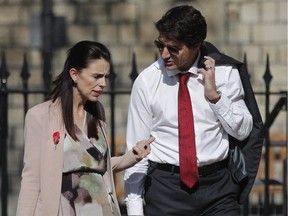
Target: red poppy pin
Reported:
[(56, 138)]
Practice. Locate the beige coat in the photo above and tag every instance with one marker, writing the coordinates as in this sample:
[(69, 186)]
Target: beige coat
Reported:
[(43, 162)]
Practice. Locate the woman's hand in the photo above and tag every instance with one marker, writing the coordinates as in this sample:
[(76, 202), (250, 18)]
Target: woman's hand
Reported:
[(142, 149)]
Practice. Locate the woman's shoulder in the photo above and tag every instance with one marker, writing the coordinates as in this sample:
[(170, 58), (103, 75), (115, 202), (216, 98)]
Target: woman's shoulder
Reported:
[(40, 106), (44, 107)]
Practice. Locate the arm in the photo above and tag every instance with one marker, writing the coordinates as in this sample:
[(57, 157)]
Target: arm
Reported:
[(231, 109), (139, 126), (30, 184), (133, 156)]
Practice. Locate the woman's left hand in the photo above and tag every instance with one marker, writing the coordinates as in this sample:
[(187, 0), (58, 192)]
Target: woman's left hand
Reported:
[(142, 148)]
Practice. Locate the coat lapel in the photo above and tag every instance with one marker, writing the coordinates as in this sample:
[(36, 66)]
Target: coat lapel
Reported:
[(53, 160)]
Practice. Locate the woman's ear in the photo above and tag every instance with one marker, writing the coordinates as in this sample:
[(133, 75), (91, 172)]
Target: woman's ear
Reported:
[(73, 74)]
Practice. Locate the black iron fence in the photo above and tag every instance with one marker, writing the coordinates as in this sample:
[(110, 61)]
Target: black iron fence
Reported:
[(265, 205)]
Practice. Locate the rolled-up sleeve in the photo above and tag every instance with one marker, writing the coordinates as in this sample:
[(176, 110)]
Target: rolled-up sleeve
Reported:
[(231, 109)]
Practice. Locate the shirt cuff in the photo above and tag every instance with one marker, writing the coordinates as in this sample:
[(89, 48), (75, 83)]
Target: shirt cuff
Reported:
[(135, 207), (222, 106)]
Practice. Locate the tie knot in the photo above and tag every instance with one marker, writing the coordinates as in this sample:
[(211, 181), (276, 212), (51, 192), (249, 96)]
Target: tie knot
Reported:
[(183, 78)]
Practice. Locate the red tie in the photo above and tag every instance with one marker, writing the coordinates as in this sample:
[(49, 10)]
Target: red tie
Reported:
[(187, 149)]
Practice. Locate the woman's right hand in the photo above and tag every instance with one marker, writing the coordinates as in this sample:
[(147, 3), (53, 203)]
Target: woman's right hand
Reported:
[(142, 148)]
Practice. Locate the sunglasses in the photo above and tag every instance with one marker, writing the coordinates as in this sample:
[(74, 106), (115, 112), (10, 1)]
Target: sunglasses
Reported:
[(172, 50)]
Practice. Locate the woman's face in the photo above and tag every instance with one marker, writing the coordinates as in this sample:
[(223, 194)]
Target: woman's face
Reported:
[(91, 80)]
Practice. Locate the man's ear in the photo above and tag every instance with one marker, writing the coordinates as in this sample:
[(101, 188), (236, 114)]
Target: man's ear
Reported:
[(73, 74)]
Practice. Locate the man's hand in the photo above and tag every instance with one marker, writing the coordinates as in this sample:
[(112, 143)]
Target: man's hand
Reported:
[(210, 89)]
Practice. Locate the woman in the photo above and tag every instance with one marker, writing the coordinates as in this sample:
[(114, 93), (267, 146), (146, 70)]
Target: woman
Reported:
[(67, 164)]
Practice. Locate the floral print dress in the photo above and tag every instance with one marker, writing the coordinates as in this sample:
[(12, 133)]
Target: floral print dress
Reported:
[(84, 192)]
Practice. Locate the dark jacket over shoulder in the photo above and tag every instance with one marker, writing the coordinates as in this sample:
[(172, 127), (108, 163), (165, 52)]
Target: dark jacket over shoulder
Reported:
[(244, 155)]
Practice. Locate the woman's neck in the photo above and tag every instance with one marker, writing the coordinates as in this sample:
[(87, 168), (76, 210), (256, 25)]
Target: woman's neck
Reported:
[(79, 115)]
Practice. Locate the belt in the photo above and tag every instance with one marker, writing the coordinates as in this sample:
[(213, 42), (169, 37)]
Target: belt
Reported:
[(203, 170)]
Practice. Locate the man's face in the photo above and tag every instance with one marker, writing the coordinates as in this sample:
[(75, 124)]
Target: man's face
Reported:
[(176, 55)]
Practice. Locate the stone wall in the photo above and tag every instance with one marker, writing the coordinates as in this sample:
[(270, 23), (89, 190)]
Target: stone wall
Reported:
[(257, 28)]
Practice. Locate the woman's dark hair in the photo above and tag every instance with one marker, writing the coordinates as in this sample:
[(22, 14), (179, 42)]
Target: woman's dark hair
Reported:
[(184, 24), (79, 57)]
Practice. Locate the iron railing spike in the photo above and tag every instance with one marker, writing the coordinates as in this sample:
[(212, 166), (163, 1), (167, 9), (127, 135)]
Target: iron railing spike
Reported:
[(246, 64), (267, 75), (4, 74), (112, 76), (4, 71), (134, 72), (25, 69)]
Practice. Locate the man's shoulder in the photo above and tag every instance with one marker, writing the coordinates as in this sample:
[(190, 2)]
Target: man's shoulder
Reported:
[(154, 69), (155, 66), (220, 58)]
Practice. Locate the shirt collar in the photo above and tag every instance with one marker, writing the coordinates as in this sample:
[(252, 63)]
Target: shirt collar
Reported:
[(192, 69)]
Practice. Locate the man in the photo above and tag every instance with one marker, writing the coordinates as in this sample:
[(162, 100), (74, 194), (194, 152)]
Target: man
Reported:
[(216, 112)]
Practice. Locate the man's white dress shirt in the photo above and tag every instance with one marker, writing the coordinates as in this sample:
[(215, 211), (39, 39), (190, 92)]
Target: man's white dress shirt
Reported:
[(153, 110)]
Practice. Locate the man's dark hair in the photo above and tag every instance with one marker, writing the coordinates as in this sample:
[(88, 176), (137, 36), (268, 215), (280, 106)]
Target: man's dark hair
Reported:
[(184, 24)]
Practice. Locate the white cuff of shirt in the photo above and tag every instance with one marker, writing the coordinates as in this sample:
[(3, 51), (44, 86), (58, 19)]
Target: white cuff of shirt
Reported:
[(135, 207)]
